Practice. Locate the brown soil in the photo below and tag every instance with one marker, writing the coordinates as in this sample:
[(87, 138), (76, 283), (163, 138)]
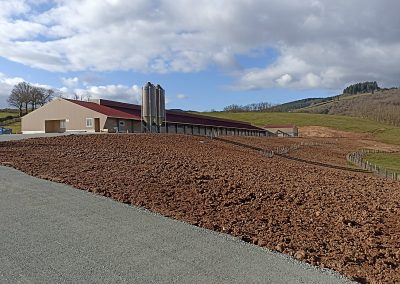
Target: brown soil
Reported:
[(331, 150), (346, 221), (366, 140), (320, 131)]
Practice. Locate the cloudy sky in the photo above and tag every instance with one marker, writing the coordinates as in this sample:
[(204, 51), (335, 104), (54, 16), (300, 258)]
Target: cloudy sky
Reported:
[(207, 54)]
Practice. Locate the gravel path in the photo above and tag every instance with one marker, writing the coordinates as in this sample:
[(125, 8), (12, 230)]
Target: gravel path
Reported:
[(52, 233)]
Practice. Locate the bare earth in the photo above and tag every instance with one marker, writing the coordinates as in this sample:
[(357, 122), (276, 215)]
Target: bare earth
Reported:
[(333, 218), (320, 131)]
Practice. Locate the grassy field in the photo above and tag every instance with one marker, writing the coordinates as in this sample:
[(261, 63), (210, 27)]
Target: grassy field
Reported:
[(4, 114), (390, 161), (16, 126), (382, 132)]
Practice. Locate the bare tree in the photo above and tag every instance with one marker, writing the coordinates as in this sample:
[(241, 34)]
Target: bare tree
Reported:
[(88, 96), (16, 100), (36, 94), (24, 95), (46, 95), (20, 96)]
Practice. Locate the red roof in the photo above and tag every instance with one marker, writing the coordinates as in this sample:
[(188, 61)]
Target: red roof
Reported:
[(111, 112), (131, 111), (183, 117)]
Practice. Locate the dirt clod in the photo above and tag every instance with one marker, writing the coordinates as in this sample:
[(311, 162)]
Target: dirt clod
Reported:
[(301, 254)]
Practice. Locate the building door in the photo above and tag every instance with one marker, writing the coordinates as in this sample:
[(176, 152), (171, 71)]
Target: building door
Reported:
[(121, 125), (54, 126), (97, 124)]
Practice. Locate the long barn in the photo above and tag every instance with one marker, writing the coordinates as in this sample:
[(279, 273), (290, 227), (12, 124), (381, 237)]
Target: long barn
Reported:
[(66, 115)]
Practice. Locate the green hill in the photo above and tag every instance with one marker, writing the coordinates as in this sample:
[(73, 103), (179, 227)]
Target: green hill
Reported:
[(381, 131), (291, 106)]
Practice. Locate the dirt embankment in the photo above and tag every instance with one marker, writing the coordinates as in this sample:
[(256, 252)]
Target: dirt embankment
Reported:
[(346, 221)]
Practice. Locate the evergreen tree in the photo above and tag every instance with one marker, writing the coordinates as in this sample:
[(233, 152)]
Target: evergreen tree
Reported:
[(360, 88)]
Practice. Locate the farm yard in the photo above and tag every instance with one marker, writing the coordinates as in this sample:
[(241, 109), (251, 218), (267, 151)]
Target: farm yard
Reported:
[(335, 218)]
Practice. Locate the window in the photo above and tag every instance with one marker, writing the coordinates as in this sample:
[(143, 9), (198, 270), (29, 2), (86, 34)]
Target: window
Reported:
[(121, 123), (89, 122), (62, 124)]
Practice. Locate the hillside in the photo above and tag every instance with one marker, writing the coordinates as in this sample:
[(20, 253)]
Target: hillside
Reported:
[(382, 106), (380, 131), (291, 106)]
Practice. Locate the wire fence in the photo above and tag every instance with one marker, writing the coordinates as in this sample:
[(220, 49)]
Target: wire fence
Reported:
[(283, 151), (359, 159), (356, 158)]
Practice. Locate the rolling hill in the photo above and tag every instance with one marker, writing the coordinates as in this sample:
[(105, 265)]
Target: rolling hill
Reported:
[(299, 104), (381, 131), (382, 106)]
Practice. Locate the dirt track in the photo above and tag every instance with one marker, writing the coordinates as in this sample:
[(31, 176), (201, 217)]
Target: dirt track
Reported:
[(346, 221)]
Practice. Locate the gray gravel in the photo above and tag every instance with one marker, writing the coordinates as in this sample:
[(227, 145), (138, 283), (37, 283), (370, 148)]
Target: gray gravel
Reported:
[(14, 137), (53, 233)]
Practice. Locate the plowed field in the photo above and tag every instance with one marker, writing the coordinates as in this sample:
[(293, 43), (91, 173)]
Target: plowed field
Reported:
[(333, 218)]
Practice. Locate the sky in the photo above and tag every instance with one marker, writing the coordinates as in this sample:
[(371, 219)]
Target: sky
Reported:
[(206, 54)]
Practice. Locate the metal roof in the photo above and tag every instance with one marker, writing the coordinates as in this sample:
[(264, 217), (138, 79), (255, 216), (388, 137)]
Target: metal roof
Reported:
[(109, 111), (131, 111)]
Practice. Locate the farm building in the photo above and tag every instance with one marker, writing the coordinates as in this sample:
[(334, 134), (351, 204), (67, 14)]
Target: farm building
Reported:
[(287, 130), (66, 115)]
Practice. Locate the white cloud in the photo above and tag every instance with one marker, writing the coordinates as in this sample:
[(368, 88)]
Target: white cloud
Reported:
[(320, 43), (70, 82), (64, 90), (128, 94), (311, 80), (13, 7), (181, 96), (284, 80)]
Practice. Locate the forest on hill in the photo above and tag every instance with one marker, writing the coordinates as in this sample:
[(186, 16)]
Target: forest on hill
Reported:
[(361, 88)]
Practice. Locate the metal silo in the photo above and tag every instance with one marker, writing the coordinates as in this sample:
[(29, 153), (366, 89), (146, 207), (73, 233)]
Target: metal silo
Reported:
[(153, 107), (149, 110), (146, 102), (160, 100)]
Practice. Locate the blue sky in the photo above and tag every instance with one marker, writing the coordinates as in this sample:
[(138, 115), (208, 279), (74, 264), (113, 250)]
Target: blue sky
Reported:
[(206, 54)]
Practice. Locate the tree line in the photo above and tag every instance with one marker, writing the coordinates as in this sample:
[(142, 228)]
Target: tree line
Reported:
[(361, 88), (27, 98), (255, 107)]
